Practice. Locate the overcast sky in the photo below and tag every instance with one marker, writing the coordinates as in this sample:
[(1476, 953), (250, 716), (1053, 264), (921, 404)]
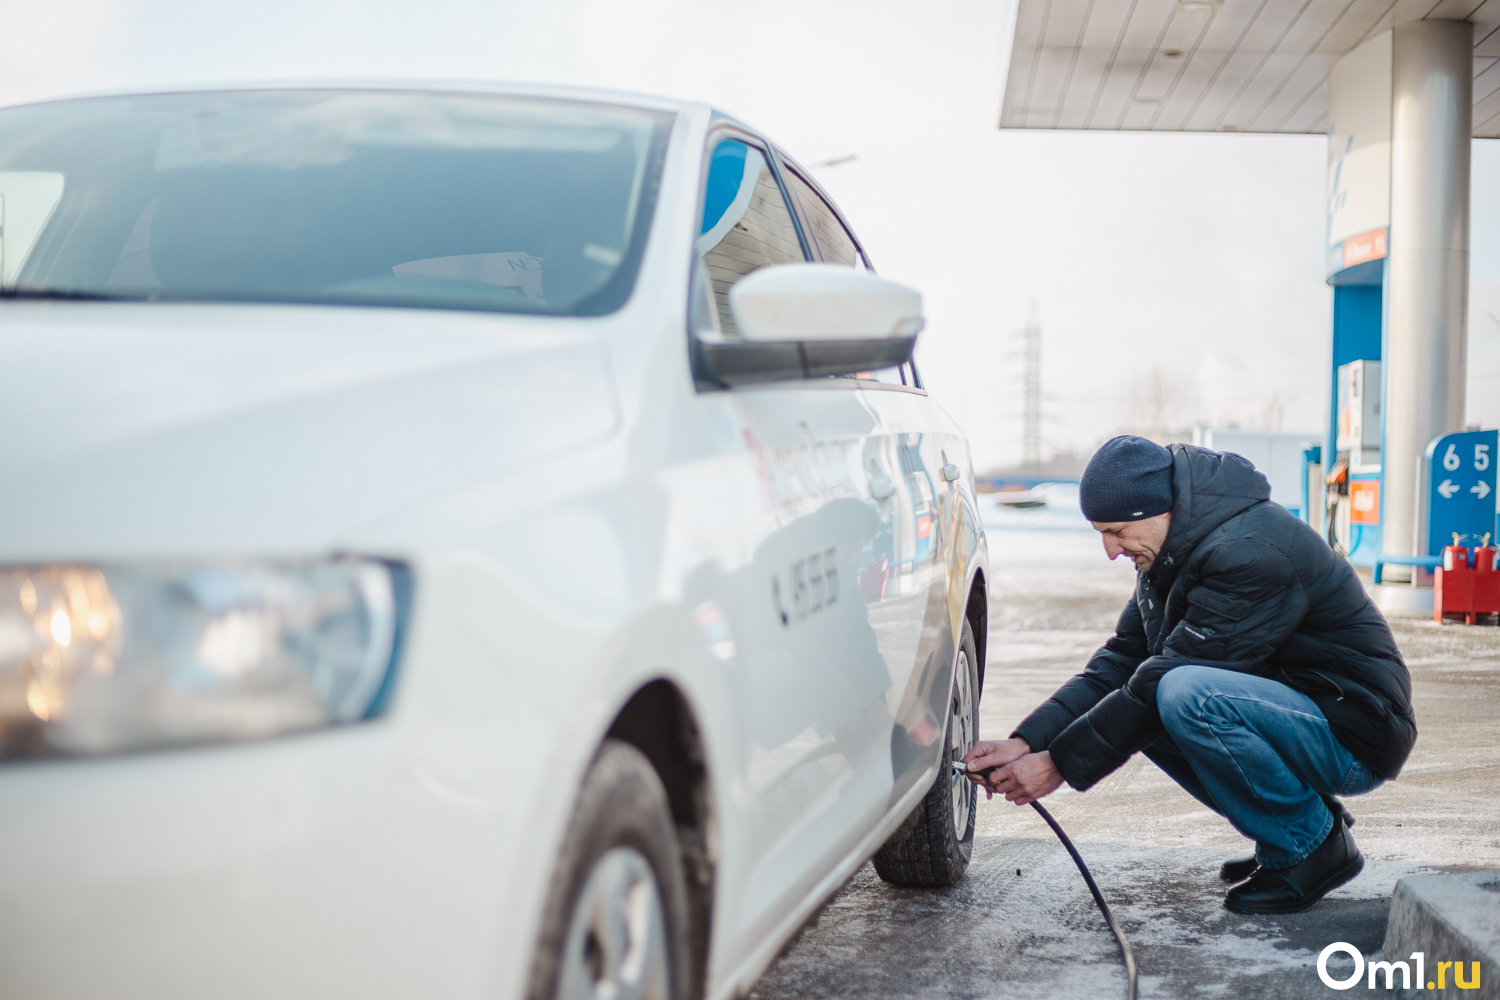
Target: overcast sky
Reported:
[(1198, 257)]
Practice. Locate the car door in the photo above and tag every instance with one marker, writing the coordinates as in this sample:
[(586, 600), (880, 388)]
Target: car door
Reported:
[(909, 606), (811, 684)]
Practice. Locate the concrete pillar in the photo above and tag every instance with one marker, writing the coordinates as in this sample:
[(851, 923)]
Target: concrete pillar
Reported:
[(1427, 273)]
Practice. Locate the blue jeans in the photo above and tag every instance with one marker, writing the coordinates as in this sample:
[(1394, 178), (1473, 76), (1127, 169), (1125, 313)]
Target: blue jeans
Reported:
[(1258, 753)]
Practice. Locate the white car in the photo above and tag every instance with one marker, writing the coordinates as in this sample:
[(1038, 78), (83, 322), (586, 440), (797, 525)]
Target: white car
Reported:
[(430, 567)]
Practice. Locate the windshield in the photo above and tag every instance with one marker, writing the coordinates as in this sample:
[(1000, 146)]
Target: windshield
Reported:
[(357, 197)]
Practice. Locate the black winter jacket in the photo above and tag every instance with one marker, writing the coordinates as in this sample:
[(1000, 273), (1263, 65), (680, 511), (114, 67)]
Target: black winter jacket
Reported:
[(1241, 584)]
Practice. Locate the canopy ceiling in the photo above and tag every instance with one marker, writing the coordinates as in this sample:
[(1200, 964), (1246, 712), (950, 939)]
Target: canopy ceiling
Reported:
[(1210, 66)]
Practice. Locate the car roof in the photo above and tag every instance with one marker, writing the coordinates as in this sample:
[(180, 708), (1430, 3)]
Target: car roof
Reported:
[(450, 86)]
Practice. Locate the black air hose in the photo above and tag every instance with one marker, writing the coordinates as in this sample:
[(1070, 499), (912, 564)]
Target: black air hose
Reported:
[(1109, 917), (1088, 878)]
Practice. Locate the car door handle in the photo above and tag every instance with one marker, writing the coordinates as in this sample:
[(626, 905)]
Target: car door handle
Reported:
[(950, 472), (882, 488)]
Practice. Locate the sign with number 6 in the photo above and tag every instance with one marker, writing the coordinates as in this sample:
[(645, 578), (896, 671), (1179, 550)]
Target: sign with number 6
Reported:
[(1460, 488)]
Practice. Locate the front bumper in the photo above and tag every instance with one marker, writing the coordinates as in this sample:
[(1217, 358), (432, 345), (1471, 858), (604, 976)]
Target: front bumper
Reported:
[(328, 865)]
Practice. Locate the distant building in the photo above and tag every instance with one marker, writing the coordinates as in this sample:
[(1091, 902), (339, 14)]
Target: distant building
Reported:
[(1276, 454)]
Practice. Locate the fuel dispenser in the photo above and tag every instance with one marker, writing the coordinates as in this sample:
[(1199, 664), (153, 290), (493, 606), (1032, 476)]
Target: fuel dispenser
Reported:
[(1352, 483)]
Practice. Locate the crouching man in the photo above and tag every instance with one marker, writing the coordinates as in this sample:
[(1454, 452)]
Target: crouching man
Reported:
[(1249, 665)]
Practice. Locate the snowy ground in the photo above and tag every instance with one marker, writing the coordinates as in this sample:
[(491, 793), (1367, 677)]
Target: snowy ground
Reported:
[(1021, 923)]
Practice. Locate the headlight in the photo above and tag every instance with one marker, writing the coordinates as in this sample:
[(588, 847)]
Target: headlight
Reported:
[(97, 659)]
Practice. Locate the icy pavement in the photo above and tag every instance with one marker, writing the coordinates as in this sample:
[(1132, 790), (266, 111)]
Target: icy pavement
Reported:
[(1021, 923)]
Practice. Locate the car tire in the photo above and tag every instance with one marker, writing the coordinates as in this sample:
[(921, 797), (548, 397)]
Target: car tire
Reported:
[(616, 922), (933, 845)]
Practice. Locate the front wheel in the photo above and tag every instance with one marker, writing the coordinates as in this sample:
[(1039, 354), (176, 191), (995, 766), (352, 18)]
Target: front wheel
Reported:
[(616, 924), (933, 845)]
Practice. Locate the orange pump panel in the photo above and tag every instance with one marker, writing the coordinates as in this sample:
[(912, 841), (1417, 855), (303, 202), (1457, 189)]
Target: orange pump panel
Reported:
[(1364, 501)]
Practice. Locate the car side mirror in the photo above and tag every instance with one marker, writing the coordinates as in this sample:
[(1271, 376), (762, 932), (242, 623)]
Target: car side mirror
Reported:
[(797, 321)]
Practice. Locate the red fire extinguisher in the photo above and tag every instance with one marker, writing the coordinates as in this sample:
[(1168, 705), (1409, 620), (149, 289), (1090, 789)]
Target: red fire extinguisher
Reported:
[(1484, 555), (1453, 584), (1455, 556)]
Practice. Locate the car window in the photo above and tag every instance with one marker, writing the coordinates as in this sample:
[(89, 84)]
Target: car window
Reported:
[(833, 240), (836, 246), (464, 201), (746, 224), (895, 375)]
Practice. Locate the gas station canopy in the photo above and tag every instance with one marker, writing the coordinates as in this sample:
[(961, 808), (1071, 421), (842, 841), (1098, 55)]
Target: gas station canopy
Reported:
[(1212, 66)]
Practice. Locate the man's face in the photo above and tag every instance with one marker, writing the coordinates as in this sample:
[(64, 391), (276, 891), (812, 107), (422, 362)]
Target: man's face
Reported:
[(1140, 540)]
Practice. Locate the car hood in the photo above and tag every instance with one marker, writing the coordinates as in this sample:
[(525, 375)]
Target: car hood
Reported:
[(131, 429)]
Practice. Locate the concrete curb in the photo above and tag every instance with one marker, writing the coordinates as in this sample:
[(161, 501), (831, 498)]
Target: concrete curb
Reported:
[(1448, 918)]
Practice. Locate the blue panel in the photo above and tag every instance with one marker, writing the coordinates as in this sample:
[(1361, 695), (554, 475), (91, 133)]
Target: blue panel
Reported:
[(726, 171), (1356, 337), (1364, 541), (1356, 324), (1461, 488)]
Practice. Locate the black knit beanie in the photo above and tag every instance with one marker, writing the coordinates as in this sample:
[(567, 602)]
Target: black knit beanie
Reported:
[(1128, 479)]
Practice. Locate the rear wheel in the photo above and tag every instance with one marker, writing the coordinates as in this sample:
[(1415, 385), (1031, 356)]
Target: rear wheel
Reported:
[(617, 918), (933, 846)]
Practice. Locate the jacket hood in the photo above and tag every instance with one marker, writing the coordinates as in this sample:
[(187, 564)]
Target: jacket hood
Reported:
[(1208, 488)]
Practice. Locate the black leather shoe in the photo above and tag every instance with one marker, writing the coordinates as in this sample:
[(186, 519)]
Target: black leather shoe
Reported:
[(1291, 890), (1239, 869)]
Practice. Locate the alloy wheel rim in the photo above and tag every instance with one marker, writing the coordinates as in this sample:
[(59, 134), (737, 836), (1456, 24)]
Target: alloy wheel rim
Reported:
[(961, 729), (616, 945)]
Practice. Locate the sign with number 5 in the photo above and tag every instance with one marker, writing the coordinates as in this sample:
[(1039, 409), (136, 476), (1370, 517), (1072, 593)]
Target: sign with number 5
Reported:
[(1460, 488)]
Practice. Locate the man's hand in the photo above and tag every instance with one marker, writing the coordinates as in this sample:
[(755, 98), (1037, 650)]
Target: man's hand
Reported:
[(993, 753), (1026, 779)]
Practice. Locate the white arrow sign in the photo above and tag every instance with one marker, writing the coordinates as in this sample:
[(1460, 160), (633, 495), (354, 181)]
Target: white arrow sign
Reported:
[(1483, 489), (1447, 489)]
